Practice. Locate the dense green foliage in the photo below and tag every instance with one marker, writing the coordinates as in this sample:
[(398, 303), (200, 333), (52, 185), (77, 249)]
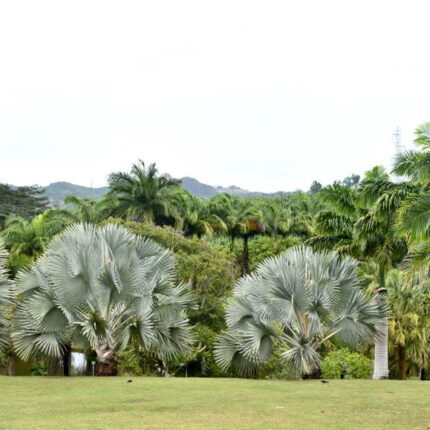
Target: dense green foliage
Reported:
[(379, 220), (344, 364), (25, 202)]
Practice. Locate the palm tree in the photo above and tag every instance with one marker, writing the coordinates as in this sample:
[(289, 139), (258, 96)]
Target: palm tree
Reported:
[(361, 222), (242, 218), (409, 320), (197, 218), (144, 195), (298, 300), (5, 298), (27, 240), (100, 288)]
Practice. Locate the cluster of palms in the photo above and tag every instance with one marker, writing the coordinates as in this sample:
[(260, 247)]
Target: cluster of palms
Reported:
[(143, 195), (306, 298)]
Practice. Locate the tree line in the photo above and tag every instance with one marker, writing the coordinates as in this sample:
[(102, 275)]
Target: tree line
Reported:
[(378, 226)]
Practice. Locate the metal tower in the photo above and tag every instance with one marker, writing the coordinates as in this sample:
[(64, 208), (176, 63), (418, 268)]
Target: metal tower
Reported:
[(398, 149)]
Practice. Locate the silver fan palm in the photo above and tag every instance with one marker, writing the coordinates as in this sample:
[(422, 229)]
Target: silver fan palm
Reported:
[(298, 300), (101, 287)]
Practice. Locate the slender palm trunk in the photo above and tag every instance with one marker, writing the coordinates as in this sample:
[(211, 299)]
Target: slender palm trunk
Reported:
[(380, 369), (107, 362), (402, 362), (245, 256)]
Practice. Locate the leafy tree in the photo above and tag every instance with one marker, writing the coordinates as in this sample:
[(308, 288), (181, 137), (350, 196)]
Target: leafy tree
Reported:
[(144, 195), (345, 364), (25, 202), (100, 288), (351, 181), (300, 299), (210, 271), (315, 187)]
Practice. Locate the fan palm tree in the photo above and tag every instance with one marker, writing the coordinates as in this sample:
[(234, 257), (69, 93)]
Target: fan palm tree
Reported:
[(5, 298), (100, 288), (144, 195), (298, 300)]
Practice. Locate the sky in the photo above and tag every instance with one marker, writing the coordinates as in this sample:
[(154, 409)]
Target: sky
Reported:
[(265, 95)]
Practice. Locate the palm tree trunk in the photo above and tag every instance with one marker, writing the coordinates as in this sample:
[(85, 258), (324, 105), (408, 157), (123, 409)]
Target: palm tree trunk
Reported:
[(67, 359), (107, 362), (402, 363), (380, 369), (11, 364), (245, 256)]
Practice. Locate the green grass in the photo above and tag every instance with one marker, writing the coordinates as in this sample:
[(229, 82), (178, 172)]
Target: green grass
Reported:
[(188, 403)]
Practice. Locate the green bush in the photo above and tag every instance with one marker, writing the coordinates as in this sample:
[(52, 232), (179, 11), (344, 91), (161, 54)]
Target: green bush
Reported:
[(343, 363), (39, 369)]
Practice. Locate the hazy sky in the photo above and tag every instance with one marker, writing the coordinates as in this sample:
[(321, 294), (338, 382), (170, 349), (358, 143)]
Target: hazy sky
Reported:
[(266, 95)]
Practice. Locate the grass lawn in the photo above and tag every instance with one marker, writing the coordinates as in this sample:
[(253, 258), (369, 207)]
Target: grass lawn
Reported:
[(187, 403)]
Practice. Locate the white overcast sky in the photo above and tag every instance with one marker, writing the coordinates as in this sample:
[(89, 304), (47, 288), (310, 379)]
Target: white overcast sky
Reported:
[(266, 95)]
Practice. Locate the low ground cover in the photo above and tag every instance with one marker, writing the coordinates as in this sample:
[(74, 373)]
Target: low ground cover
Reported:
[(199, 403)]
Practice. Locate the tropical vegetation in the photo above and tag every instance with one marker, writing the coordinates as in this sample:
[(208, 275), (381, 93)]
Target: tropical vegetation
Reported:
[(368, 238)]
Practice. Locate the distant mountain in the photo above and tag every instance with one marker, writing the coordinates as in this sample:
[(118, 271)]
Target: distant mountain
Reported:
[(196, 188), (58, 191), (199, 189)]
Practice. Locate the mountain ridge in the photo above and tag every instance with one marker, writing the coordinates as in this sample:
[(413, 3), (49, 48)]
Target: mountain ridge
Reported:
[(58, 191)]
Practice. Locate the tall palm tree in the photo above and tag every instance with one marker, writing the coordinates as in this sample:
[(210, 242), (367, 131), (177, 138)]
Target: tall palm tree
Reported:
[(144, 195), (242, 218), (100, 288), (299, 300), (197, 218), (361, 222)]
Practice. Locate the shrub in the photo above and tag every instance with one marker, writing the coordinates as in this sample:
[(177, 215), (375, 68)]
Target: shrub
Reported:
[(343, 363), (39, 369)]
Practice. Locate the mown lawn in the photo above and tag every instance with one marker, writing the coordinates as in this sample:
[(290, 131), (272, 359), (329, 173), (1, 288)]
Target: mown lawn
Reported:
[(187, 403)]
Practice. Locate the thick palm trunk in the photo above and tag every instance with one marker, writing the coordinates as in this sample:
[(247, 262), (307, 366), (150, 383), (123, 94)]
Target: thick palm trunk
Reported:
[(67, 360), (107, 363), (380, 369), (402, 363)]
